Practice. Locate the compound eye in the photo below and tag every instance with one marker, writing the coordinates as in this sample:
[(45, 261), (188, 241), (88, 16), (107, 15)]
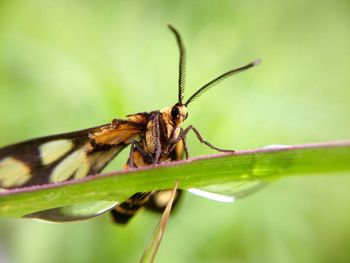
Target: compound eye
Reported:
[(175, 112)]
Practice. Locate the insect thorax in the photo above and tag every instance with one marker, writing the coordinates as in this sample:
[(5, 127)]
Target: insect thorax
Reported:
[(161, 130)]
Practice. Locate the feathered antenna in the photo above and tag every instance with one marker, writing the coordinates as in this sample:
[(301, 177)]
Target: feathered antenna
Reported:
[(181, 63), (221, 78)]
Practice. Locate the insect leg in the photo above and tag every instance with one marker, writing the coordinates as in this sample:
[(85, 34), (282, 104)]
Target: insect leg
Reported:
[(200, 138), (185, 148), (158, 146), (136, 144)]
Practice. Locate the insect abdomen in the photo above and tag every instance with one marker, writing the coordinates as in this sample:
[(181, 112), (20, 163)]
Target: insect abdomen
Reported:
[(125, 211)]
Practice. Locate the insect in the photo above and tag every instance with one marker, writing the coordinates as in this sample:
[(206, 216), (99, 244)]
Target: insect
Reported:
[(153, 137)]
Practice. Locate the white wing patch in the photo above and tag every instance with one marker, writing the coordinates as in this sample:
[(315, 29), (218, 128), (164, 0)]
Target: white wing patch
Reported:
[(13, 172), (83, 169), (52, 151), (76, 163)]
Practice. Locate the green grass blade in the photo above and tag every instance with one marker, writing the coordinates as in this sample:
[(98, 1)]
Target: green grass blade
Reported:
[(152, 248), (259, 164)]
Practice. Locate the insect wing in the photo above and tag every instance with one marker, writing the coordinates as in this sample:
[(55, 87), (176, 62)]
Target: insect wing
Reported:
[(73, 213), (64, 157), (33, 162), (228, 192)]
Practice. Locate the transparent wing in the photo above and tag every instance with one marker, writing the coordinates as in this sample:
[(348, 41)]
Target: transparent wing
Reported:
[(228, 192), (74, 213)]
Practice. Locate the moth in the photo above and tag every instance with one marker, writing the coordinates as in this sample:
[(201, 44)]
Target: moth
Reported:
[(152, 137)]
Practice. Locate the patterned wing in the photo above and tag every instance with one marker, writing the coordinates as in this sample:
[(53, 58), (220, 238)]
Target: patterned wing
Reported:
[(64, 157)]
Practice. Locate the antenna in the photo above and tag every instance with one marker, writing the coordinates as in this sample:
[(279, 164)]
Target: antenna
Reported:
[(221, 78), (181, 63)]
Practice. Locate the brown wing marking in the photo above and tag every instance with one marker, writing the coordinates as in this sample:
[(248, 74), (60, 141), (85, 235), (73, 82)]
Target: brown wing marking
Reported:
[(111, 140), (118, 132)]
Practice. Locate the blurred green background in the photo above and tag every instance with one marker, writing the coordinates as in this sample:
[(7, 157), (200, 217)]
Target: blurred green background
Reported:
[(69, 65)]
